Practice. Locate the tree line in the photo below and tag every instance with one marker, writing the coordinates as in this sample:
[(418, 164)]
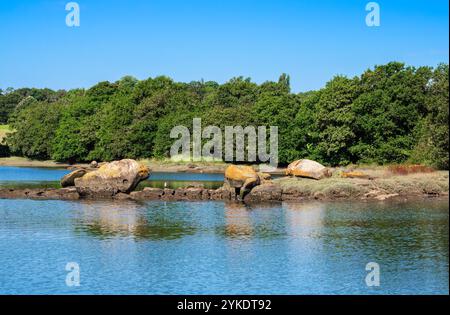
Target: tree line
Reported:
[(392, 113)]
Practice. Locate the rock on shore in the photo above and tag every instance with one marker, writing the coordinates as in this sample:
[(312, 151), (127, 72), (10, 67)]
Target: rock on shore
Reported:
[(277, 191), (112, 178), (308, 169), (44, 194), (117, 180), (69, 179), (240, 180)]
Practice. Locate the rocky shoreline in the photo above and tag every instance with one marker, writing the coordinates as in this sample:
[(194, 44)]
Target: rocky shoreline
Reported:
[(304, 180), (260, 194)]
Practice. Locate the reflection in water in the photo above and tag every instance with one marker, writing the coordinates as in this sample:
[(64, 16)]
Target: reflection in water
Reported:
[(386, 232), (252, 221), (129, 218), (237, 220), (304, 219), (216, 248)]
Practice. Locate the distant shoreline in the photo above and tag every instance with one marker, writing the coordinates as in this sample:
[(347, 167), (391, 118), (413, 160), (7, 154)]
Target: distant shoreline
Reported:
[(154, 165), (24, 162)]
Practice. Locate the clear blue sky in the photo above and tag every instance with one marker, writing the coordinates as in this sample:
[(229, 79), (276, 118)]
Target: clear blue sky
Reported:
[(189, 40)]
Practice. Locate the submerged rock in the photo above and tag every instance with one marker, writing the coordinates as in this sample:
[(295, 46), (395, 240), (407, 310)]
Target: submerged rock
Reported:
[(308, 169), (112, 178)]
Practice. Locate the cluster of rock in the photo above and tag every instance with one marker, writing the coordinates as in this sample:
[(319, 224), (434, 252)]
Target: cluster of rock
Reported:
[(45, 194), (107, 179), (260, 193), (244, 183), (119, 179)]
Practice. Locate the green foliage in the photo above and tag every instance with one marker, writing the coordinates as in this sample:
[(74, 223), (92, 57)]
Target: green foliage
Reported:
[(335, 119), (11, 99), (34, 128), (389, 107), (4, 149), (389, 114), (75, 136), (433, 146)]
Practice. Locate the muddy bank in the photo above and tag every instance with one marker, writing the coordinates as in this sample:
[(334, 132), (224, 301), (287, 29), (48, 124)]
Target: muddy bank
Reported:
[(24, 162)]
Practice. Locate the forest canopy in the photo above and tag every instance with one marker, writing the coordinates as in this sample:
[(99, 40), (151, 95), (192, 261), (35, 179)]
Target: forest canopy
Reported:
[(392, 113)]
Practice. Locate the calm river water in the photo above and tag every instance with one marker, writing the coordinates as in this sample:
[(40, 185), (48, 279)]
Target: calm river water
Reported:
[(222, 248)]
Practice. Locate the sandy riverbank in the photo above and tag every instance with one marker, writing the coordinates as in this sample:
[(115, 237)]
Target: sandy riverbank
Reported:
[(24, 162)]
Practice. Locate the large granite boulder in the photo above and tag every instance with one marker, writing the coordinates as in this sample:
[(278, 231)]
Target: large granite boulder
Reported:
[(112, 178), (241, 179), (266, 192), (308, 169), (69, 179)]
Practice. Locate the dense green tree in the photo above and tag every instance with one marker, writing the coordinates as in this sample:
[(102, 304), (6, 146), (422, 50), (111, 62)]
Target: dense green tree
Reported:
[(112, 137), (236, 92), (11, 99), (388, 109), (303, 130), (334, 120), (280, 111), (433, 146), (75, 136), (390, 114), (35, 128)]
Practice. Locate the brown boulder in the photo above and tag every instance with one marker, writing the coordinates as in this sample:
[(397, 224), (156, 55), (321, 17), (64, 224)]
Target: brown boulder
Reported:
[(241, 179), (265, 192), (308, 169), (112, 178), (355, 174), (69, 179), (264, 178)]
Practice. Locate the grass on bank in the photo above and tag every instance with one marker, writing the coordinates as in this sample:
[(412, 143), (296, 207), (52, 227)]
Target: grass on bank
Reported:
[(384, 183)]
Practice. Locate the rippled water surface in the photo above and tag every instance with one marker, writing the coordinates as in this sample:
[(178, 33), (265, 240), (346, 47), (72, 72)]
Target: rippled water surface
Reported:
[(219, 248)]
